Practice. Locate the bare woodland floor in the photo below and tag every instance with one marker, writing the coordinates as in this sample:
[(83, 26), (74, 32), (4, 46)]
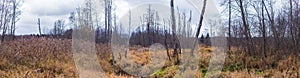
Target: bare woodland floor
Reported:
[(43, 57)]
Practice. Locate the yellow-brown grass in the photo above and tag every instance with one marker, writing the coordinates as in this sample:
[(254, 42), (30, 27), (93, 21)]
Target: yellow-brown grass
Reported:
[(44, 57)]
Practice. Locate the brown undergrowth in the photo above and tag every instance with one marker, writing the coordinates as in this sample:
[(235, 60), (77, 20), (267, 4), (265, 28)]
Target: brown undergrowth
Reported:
[(44, 57)]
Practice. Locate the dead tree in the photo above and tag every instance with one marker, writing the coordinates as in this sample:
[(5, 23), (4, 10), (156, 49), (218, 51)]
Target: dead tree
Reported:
[(39, 24), (291, 24), (199, 27), (229, 26), (108, 20), (175, 43), (263, 32), (246, 26), (5, 18), (189, 30), (165, 40)]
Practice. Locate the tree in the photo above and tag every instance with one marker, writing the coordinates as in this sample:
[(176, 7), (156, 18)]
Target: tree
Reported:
[(202, 38), (229, 25), (72, 19), (15, 15), (199, 26), (108, 19), (263, 29), (39, 24), (245, 25), (189, 26), (59, 26), (9, 14), (175, 43), (291, 24), (165, 40), (149, 17), (4, 17)]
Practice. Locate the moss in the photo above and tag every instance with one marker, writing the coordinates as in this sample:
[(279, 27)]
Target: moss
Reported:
[(159, 73), (259, 72), (165, 72), (233, 67), (203, 71)]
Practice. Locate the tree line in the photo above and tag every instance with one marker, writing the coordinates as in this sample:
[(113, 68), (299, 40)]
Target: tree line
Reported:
[(149, 32), (9, 13), (260, 27), (263, 27)]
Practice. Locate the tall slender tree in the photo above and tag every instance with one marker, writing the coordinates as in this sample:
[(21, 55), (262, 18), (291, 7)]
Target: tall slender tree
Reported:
[(199, 26), (229, 25), (245, 25), (39, 25), (175, 43), (291, 23)]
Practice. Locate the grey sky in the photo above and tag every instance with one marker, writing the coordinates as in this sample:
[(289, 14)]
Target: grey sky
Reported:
[(50, 10), (47, 10)]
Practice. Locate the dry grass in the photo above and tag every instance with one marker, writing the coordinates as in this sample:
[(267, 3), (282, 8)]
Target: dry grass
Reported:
[(37, 58), (43, 57)]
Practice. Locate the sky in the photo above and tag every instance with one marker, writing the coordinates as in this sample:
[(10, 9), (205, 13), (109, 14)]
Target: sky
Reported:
[(47, 10), (51, 10)]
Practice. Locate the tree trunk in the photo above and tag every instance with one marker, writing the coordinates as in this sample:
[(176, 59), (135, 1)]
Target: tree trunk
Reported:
[(199, 28), (263, 30), (39, 24), (165, 41), (291, 25), (229, 27), (273, 28), (175, 53), (13, 23), (246, 27), (105, 21)]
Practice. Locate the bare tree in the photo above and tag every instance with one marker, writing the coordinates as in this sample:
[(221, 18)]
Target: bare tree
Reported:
[(108, 19), (129, 22), (180, 28), (5, 11), (39, 24), (175, 43), (10, 11), (184, 25), (246, 32), (199, 26), (58, 29), (291, 24), (165, 40), (189, 28), (72, 19), (84, 16), (229, 25), (129, 28), (15, 15)]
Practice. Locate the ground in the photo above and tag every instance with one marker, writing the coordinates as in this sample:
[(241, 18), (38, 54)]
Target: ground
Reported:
[(45, 57)]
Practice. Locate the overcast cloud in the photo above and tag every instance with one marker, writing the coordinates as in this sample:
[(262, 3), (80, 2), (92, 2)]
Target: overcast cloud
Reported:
[(50, 10), (47, 10)]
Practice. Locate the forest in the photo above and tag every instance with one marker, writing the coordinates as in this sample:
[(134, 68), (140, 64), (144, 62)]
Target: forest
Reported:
[(163, 39)]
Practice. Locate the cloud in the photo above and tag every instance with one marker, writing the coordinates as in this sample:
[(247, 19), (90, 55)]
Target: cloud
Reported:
[(51, 7), (47, 10), (51, 10)]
